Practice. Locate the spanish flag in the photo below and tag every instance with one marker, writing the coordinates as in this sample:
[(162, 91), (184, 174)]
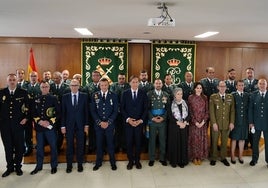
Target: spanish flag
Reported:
[(32, 66)]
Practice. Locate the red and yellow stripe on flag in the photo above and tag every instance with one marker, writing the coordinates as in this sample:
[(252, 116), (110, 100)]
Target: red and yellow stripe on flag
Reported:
[(32, 66)]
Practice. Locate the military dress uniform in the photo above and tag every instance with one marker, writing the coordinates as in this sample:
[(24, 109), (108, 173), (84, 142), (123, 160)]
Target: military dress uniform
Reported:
[(230, 86), (210, 86), (33, 92), (104, 109), (46, 107), (187, 89), (258, 115), (13, 108), (240, 131), (158, 104), (222, 112), (120, 140), (59, 90), (91, 88), (169, 89)]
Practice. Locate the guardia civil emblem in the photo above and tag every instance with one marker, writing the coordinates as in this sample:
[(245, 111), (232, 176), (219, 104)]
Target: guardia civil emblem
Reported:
[(50, 112)]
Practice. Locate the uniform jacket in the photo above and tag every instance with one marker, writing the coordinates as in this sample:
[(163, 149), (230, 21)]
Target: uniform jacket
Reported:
[(104, 110), (158, 104), (222, 113), (249, 88), (230, 88), (14, 107), (187, 91), (210, 88), (241, 108), (258, 111), (45, 107)]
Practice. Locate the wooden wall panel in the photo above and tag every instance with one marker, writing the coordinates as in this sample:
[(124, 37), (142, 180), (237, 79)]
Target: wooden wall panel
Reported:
[(59, 54)]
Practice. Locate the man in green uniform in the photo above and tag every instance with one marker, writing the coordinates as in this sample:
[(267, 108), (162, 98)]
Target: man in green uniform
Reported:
[(222, 116)]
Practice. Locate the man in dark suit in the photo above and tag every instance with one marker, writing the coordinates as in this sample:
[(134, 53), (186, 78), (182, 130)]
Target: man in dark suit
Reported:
[(134, 107), (187, 86), (13, 116), (45, 111), (258, 120), (104, 109), (74, 123)]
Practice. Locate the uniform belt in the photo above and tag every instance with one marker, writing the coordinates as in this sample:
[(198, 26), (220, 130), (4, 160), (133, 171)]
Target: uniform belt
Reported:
[(158, 112)]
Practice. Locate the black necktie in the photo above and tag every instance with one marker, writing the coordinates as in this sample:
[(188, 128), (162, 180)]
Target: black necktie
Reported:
[(11, 93), (75, 101), (57, 86), (262, 95), (134, 95), (241, 94), (103, 97), (222, 98)]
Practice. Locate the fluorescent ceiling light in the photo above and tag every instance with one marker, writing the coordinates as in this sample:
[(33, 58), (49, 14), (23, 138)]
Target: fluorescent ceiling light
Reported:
[(83, 31), (207, 34)]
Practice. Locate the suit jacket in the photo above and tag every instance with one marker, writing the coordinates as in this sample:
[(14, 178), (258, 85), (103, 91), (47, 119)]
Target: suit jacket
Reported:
[(258, 111), (222, 113), (137, 109), (104, 110), (14, 107), (74, 116)]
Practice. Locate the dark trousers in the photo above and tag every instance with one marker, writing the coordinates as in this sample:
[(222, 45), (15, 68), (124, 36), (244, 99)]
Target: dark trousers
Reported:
[(79, 135), (120, 137), (256, 141), (42, 138), (13, 141), (134, 139), (28, 134), (108, 134)]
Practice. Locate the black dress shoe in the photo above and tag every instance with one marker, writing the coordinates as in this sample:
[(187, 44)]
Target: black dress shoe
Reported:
[(233, 161), (35, 171), (225, 162), (19, 172), (173, 165), (80, 168), (138, 165), (252, 163), (96, 167), (151, 163), (130, 165), (53, 170), (7, 173), (212, 163), (241, 161), (68, 170), (181, 165), (114, 167), (164, 163)]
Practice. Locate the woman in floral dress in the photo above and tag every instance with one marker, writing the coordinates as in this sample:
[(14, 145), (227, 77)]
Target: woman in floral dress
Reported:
[(199, 114)]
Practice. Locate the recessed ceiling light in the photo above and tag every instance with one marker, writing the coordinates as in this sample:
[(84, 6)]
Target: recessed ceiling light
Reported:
[(207, 34), (83, 31)]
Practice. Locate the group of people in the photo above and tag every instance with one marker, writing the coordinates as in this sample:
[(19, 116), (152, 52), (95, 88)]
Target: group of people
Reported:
[(132, 116)]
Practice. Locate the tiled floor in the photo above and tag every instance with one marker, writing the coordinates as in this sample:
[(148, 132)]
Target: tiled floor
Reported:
[(157, 176)]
